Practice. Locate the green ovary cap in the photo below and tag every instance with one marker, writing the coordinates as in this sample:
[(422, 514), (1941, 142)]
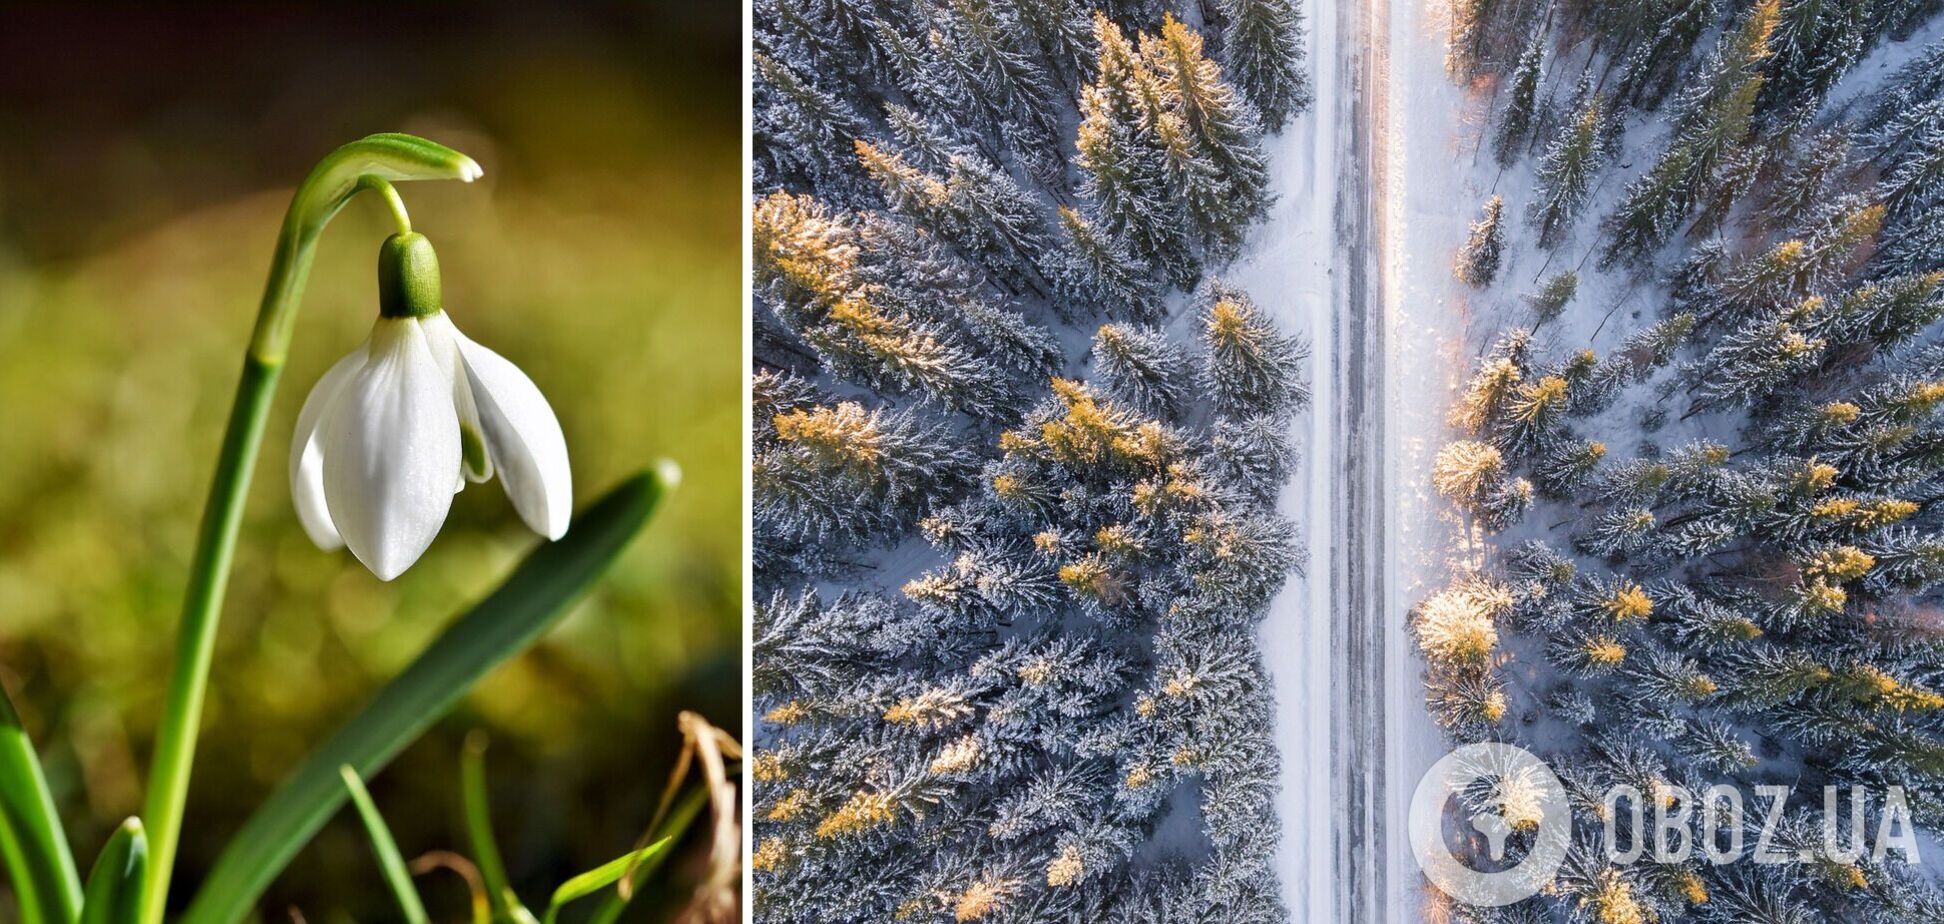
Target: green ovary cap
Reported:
[(408, 277)]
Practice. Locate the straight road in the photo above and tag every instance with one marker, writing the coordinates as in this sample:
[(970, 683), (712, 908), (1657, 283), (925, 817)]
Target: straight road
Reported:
[(1357, 580)]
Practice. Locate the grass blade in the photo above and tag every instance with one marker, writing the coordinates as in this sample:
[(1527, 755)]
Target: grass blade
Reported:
[(600, 877), (672, 830), (505, 623), (114, 891), (385, 849), (32, 843), (13, 859), (479, 825)]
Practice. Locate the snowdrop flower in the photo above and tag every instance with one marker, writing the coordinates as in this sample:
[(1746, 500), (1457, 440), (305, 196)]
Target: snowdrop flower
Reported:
[(398, 427)]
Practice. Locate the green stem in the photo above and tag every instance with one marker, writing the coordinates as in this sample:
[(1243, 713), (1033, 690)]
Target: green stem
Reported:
[(338, 177), (392, 201)]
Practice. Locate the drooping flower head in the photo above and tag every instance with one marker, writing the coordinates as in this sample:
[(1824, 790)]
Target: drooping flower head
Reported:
[(399, 426)]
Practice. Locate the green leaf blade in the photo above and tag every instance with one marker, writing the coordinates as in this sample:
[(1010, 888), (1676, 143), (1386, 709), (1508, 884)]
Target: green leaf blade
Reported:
[(479, 826), (32, 845), (114, 891), (509, 620), (385, 848), (600, 877), (672, 829)]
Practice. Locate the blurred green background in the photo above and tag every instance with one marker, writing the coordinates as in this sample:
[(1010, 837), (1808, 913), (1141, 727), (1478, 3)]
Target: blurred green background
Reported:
[(145, 161)]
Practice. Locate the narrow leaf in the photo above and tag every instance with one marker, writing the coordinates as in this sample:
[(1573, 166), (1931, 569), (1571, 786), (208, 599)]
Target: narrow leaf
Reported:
[(114, 890), (672, 829), (385, 849), (600, 877), (479, 825), (512, 618), (32, 844)]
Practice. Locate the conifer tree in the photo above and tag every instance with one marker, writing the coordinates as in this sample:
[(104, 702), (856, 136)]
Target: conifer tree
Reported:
[(1655, 346), (1478, 259), (806, 266), (1916, 244), (1522, 101), (1010, 340), (1254, 452), (1472, 475), (1221, 130), (975, 205), (1565, 175), (1653, 208), (1713, 118), (1815, 42), (1650, 69), (1808, 180), (1469, 23), (1200, 191), (811, 129), (1095, 273), (1061, 29), (1887, 314), (841, 472), (922, 139), (1490, 389), (1249, 366), (1534, 413), (1263, 46), (1915, 179), (1141, 367), (1552, 298), (1121, 156), (981, 46), (808, 36), (1567, 467), (1907, 101)]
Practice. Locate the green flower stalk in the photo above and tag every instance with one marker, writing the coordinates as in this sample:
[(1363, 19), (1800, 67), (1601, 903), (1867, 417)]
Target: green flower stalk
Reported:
[(370, 163)]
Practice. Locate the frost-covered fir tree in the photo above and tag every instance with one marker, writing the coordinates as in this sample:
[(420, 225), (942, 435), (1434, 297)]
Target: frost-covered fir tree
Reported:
[(811, 129), (1522, 102), (1221, 134), (1249, 366), (1478, 260), (1141, 367), (839, 472), (807, 269), (1122, 160), (1650, 68), (1263, 46), (1565, 175), (1095, 273), (1551, 299)]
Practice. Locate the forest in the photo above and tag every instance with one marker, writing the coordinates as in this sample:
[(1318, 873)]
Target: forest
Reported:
[(1017, 448), (1711, 554)]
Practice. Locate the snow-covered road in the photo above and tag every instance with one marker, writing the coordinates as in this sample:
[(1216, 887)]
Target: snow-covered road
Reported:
[(1375, 186)]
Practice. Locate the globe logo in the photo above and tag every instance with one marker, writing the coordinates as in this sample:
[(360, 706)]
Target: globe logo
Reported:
[(1505, 796)]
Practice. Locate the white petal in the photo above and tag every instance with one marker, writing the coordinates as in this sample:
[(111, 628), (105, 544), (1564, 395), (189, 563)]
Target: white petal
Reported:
[(391, 446), (444, 338), (523, 438), (307, 458)]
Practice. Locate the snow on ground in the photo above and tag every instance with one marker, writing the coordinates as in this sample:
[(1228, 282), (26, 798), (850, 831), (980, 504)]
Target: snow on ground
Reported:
[(1287, 271), (1434, 192)]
